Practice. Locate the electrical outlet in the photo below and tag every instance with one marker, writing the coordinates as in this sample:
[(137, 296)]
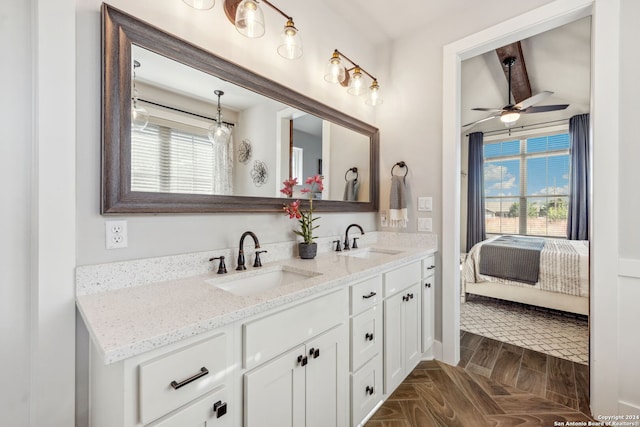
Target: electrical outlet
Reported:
[(383, 218), (424, 224), (116, 234)]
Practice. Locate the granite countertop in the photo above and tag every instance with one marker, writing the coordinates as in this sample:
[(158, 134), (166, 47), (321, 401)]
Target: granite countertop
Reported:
[(127, 322)]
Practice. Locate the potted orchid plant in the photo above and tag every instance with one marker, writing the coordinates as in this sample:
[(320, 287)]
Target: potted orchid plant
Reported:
[(308, 248)]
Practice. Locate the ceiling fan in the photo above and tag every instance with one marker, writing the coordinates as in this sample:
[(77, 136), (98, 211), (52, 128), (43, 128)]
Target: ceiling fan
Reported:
[(511, 112)]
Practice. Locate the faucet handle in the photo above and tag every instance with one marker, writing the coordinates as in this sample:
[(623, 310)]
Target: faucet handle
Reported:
[(346, 243), (257, 262), (355, 243), (338, 246), (222, 268)]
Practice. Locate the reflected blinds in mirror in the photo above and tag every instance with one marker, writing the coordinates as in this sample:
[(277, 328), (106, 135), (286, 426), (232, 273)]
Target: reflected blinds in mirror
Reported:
[(175, 161)]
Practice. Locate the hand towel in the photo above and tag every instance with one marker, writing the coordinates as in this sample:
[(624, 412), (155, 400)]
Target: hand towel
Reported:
[(398, 215), (351, 188)]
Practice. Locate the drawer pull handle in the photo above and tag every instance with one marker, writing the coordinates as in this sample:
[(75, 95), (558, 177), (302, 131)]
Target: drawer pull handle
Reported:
[(371, 294), (176, 385), (431, 267), (302, 360), (368, 336), (369, 390), (220, 408)]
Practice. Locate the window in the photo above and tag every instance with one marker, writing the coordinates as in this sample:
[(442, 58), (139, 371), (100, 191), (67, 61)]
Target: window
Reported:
[(526, 186), (169, 160)]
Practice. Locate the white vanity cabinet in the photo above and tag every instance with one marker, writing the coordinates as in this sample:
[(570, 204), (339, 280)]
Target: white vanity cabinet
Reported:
[(306, 385), (181, 385), (428, 289), (366, 339), (402, 323)]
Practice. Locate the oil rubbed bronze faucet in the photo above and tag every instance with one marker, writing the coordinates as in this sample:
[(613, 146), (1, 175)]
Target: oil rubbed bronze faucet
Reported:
[(346, 237), (241, 265)]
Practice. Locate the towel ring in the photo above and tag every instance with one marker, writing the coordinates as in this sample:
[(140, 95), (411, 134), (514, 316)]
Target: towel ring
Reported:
[(401, 164), (354, 170)]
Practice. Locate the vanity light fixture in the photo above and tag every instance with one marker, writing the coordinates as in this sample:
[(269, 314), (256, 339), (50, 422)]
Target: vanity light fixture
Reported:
[(352, 78), (139, 115), (200, 4), (248, 18), (219, 132)]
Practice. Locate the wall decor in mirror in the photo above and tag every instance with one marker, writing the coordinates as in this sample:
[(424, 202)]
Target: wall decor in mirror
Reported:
[(206, 118)]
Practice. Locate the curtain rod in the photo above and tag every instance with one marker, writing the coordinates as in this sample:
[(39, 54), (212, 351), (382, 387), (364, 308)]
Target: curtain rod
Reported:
[(185, 112), (518, 128)]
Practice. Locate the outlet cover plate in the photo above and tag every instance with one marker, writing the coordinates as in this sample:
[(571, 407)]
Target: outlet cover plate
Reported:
[(424, 224), (116, 234)]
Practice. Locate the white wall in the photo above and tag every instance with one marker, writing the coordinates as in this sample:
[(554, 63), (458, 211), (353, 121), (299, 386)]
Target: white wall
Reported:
[(15, 169)]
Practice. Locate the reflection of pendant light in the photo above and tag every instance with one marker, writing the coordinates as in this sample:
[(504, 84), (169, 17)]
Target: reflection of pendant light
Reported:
[(218, 132), (139, 116)]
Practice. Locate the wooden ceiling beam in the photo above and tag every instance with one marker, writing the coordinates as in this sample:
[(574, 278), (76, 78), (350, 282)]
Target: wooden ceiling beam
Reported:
[(520, 86)]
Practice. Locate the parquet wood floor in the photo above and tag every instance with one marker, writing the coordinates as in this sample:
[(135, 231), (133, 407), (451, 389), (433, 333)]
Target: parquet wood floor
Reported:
[(495, 384)]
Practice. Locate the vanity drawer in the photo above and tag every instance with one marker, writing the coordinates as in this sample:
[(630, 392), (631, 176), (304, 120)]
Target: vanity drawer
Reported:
[(366, 294), (366, 389), (402, 277), (175, 379), (366, 336), (428, 266), (291, 326), (201, 412)]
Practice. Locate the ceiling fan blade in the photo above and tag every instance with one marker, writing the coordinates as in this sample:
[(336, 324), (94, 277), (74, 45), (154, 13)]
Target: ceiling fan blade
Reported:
[(481, 120), (533, 100), (496, 110), (544, 108)]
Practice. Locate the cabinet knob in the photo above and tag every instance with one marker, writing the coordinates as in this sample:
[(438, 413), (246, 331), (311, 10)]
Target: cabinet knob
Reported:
[(368, 336), (302, 360), (314, 352), (220, 408), (427, 285), (405, 298), (369, 390), (410, 296)]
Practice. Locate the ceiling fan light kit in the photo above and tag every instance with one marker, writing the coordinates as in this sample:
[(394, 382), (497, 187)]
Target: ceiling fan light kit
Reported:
[(510, 113)]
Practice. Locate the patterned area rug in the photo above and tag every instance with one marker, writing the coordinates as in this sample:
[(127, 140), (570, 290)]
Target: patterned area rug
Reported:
[(551, 332)]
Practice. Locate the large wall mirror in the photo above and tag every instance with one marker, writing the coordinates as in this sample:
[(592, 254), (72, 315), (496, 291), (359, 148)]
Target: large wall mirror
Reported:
[(186, 131)]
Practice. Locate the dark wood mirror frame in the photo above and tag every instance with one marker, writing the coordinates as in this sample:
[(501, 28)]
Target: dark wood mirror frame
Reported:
[(119, 32)]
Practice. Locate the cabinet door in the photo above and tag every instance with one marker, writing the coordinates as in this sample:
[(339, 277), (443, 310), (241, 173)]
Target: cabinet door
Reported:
[(366, 336), (327, 380), (274, 392), (393, 342), (427, 313), (208, 411), (411, 323)]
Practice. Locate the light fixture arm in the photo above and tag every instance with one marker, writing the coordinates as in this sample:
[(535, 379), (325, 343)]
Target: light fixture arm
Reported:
[(352, 63), (271, 5)]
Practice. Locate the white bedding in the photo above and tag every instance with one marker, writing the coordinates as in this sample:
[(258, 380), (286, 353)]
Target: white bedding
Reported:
[(564, 267)]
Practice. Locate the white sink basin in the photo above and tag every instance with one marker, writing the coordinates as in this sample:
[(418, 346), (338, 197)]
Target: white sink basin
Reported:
[(369, 253), (255, 281)]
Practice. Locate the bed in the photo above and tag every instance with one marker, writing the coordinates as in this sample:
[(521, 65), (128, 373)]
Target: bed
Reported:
[(562, 279)]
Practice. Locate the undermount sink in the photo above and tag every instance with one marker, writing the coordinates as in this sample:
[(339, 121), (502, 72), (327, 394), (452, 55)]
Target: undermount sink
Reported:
[(369, 253), (255, 281)]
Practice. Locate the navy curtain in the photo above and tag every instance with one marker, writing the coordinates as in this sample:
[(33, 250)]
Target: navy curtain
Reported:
[(579, 200), (475, 192)]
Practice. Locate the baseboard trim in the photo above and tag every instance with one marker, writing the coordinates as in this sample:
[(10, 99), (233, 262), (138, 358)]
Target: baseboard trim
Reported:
[(626, 408)]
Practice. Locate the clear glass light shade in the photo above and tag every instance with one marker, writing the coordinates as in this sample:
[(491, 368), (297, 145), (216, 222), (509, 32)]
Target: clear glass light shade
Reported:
[(356, 84), (250, 19), (139, 117), (335, 72), (200, 4), (374, 98), (290, 45), (509, 116), (219, 134)]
